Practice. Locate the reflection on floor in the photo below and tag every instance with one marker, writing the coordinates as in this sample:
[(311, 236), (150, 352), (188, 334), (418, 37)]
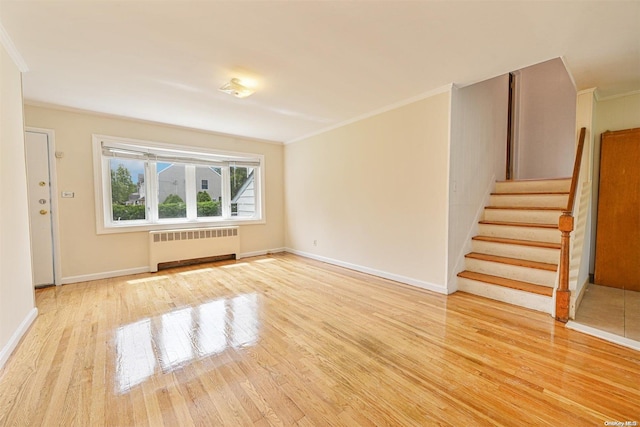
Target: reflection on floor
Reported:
[(181, 336), (612, 310)]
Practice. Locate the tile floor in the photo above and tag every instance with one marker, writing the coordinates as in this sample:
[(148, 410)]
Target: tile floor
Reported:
[(612, 310)]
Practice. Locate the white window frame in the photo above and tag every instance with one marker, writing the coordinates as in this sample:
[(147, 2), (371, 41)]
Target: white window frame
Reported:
[(102, 185)]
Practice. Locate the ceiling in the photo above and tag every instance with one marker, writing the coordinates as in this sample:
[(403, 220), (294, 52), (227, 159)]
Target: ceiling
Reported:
[(315, 64)]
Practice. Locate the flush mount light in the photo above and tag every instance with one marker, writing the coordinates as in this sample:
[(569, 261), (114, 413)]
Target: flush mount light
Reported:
[(237, 89)]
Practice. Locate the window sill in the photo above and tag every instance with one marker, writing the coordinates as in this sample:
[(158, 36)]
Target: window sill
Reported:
[(137, 228)]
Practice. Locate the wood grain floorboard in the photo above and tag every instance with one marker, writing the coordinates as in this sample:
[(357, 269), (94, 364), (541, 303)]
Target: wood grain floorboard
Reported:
[(288, 341)]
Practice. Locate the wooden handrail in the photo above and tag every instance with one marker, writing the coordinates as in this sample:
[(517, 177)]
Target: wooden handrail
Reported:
[(576, 171), (565, 225)]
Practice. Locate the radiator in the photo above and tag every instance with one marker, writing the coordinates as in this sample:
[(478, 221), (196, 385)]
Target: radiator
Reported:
[(182, 245)]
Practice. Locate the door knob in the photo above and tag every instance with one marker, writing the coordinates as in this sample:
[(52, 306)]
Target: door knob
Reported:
[(43, 211), (42, 183)]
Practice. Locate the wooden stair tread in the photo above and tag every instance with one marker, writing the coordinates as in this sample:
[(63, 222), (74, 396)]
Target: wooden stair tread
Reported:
[(518, 242), (520, 224), (507, 283), (532, 193), (525, 208), (536, 180), (513, 261)]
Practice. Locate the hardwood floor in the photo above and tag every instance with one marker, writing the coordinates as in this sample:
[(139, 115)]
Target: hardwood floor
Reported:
[(284, 340)]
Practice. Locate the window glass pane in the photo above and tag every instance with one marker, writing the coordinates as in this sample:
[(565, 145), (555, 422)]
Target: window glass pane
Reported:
[(171, 190), (127, 189), (209, 191), (243, 198)]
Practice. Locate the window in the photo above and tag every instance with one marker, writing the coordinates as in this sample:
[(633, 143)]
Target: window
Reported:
[(144, 185), (242, 191), (127, 189), (209, 198), (172, 190)]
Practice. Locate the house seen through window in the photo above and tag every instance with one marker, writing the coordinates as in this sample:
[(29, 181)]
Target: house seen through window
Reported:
[(155, 184)]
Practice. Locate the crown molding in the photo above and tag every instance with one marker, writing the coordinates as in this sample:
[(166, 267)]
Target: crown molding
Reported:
[(429, 94), (618, 95), (592, 90), (11, 49), (569, 73), (75, 110)]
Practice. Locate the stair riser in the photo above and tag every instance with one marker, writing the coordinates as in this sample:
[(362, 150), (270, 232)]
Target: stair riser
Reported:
[(511, 296), (534, 217), (520, 233), (547, 255), (514, 272), (529, 200), (533, 186)]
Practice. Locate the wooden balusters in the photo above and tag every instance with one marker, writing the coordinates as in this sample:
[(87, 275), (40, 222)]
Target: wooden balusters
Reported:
[(565, 225)]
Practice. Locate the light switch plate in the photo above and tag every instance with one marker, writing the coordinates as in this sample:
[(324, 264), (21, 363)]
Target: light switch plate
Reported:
[(68, 194)]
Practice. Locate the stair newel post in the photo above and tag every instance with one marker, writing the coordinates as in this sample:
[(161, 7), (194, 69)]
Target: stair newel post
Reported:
[(563, 295), (565, 225)]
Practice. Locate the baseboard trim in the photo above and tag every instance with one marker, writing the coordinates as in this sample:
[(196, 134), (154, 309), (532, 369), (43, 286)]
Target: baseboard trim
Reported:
[(13, 342), (103, 275), (578, 298), (138, 270), (607, 336), (260, 253), (379, 273)]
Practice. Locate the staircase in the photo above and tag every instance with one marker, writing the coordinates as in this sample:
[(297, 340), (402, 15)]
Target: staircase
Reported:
[(515, 256)]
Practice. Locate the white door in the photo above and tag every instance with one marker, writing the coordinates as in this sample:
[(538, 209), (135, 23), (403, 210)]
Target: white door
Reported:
[(39, 191)]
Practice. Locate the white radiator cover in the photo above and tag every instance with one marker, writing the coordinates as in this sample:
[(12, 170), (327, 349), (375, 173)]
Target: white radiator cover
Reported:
[(182, 245)]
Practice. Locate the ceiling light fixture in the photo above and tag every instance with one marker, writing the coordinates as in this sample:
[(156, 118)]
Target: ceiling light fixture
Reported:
[(237, 89)]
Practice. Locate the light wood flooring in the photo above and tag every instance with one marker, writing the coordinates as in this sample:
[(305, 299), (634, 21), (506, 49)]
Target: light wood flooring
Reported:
[(284, 340)]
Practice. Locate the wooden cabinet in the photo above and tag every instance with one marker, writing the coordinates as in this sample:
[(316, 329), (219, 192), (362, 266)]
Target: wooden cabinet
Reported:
[(617, 261)]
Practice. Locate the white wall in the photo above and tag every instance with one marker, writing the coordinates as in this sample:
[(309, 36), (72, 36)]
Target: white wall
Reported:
[(616, 113), (373, 194), (86, 255), (478, 159), (546, 111), (581, 237), (17, 309)]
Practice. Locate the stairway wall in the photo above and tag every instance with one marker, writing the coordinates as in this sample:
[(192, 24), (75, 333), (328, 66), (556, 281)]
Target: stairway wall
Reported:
[(582, 236), (545, 115), (477, 159)]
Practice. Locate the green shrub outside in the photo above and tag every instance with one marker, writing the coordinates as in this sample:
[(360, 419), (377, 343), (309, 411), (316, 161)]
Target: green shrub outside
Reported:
[(203, 196), (172, 210), (165, 210), (128, 212), (173, 198), (209, 208)]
